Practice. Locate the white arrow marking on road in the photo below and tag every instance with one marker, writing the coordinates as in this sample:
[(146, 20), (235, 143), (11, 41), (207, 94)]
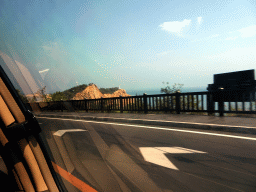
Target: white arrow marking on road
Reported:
[(62, 132), (156, 155)]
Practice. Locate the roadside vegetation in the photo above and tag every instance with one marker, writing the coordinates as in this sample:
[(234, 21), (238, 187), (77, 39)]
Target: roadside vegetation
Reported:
[(70, 93), (108, 90), (177, 88), (62, 95)]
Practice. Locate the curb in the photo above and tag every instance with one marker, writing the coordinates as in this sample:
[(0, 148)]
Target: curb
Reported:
[(202, 126)]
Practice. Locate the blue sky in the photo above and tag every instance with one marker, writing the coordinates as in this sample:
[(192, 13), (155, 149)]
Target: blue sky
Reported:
[(134, 44)]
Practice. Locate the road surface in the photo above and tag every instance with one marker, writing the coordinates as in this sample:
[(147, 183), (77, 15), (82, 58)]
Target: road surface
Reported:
[(120, 157)]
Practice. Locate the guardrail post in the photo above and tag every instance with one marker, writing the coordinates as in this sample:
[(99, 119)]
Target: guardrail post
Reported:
[(101, 105), (221, 108), (61, 105), (145, 103), (210, 104), (221, 104), (85, 105), (121, 104), (72, 104), (177, 102)]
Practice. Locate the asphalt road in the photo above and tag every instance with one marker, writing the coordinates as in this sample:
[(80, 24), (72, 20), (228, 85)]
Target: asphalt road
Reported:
[(119, 157)]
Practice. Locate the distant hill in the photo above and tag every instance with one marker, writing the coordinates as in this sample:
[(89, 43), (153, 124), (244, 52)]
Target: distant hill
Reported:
[(80, 92), (93, 92), (70, 93)]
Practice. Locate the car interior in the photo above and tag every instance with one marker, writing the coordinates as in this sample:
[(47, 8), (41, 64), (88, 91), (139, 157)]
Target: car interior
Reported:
[(24, 163)]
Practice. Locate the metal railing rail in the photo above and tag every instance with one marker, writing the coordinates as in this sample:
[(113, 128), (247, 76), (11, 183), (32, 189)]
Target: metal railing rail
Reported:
[(176, 102)]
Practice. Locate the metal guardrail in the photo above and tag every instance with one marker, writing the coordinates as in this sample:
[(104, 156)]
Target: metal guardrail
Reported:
[(176, 102)]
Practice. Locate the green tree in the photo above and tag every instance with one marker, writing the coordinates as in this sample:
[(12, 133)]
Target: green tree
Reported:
[(33, 99), (108, 90), (174, 89), (43, 95), (58, 96), (167, 89), (70, 93)]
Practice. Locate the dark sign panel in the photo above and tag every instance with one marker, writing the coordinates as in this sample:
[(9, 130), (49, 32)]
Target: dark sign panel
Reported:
[(235, 78), (233, 86)]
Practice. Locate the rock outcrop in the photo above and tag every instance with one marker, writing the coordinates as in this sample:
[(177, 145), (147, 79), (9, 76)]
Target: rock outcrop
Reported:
[(90, 92), (117, 94), (93, 92)]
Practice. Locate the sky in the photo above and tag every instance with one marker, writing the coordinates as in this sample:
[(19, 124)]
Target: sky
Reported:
[(132, 44)]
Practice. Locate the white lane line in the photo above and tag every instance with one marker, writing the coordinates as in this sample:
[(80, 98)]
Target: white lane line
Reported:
[(62, 132), (185, 122), (160, 128)]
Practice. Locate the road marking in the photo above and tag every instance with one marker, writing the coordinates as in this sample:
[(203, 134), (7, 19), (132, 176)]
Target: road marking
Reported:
[(72, 179), (156, 155), (160, 128), (62, 132), (180, 122)]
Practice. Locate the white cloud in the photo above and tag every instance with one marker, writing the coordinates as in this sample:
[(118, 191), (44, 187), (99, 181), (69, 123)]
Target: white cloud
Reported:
[(248, 31), (244, 33), (231, 38), (175, 26), (213, 36), (237, 57), (164, 53), (205, 39), (199, 20)]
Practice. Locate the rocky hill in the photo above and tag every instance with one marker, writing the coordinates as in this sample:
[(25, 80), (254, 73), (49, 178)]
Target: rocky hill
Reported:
[(93, 92), (117, 94)]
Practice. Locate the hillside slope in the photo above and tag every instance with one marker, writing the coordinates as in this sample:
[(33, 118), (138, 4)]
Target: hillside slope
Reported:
[(117, 94), (93, 92)]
